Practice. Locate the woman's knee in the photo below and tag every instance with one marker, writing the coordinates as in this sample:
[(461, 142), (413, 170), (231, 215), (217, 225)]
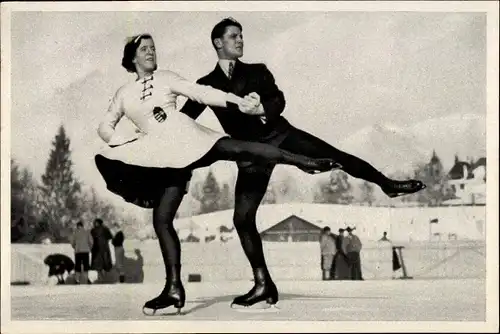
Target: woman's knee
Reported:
[(244, 217)]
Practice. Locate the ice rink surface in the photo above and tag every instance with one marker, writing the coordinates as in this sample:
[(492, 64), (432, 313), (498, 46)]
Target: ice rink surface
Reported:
[(385, 300)]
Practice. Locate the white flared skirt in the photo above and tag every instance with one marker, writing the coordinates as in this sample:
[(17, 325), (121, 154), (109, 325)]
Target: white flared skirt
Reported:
[(175, 143)]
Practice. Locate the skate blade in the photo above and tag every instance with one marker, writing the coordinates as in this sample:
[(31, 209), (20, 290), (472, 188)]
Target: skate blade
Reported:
[(335, 167), (256, 308), (160, 312)]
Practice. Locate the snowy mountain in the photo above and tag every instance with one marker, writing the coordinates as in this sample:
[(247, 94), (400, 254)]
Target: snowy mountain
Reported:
[(392, 148), (387, 148)]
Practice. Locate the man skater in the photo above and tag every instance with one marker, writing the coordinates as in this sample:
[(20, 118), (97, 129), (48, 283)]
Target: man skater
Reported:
[(264, 123)]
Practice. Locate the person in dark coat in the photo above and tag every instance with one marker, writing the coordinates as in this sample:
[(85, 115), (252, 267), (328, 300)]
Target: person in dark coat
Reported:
[(119, 255), (59, 264), (341, 264), (353, 249), (101, 253)]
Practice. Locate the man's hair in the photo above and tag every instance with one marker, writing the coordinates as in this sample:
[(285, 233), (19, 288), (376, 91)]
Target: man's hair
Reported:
[(98, 221), (129, 51), (79, 224), (220, 28)]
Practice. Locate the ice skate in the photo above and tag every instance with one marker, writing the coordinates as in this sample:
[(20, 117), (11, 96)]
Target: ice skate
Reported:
[(170, 296), (264, 290), (400, 188)]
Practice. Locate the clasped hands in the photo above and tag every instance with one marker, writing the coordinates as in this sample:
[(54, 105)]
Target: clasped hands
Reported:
[(250, 104)]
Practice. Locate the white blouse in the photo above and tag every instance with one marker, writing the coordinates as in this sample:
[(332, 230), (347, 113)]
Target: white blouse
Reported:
[(137, 100)]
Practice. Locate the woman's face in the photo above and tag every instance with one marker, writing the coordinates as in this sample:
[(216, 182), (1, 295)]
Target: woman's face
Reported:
[(145, 56)]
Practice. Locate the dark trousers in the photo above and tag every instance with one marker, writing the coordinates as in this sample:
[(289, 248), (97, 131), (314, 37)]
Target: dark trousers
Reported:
[(301, 142), (82, 259)]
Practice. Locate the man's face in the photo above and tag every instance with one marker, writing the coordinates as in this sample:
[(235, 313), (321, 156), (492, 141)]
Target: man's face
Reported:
[(145, 56), (230, 45)]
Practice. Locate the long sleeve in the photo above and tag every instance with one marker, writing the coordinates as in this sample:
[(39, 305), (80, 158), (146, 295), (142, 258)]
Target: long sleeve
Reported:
[(199, 93), (115, 112), (193, 109), (271, 97)]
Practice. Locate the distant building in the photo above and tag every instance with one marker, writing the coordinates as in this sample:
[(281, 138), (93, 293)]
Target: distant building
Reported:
[(468, 181), (292, 229)]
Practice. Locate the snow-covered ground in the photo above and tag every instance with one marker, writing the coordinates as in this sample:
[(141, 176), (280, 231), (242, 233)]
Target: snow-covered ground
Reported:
[(392, 300)]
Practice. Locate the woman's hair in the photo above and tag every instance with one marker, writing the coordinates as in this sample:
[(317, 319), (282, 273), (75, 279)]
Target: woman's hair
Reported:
[(129, 51)]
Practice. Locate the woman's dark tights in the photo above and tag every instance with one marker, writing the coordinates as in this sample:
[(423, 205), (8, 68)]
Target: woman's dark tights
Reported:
[(163, 223)]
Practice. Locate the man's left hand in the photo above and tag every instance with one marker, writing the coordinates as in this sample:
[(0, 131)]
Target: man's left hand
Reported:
[(256, 107)]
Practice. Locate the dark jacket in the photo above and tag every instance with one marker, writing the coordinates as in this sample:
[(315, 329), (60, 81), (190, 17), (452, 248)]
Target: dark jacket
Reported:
[(246, 78), (101, 254), (58, 264), (118, 239)]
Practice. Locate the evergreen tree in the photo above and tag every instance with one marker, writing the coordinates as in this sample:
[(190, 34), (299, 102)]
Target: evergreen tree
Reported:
[(337, 190), (226, 200), (367, 193), (93, 206), (24, 203), (60, 190), (434, 176), (208, 195), (285, 189), (17, 201), (279, 191), (270, 196)]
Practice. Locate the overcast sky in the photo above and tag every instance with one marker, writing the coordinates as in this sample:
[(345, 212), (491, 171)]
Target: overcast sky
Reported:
[(340, 71)]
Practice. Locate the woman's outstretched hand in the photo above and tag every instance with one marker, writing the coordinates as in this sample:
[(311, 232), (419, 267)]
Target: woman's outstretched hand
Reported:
[(249, 105), (244, 105)]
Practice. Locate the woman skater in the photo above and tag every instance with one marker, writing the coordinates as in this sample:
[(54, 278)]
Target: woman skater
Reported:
[(154, 165)]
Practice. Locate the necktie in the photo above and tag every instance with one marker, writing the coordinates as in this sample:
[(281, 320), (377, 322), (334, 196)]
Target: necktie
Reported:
[(230, 70)]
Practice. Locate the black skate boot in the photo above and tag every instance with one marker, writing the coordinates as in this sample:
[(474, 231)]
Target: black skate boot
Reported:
[(398, 188), (264, 289), (172, 295)]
